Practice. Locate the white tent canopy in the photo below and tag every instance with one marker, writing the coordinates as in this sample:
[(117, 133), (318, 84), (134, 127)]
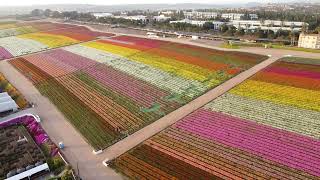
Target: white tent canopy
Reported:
[(7, 103)]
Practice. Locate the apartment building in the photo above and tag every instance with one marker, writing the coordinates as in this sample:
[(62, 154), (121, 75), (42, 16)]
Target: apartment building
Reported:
[(160, 18), (216, 24), (311, 41), (188, 21), (232, 16), (99, 15), (250, 25), (134, 18), (200, 15)]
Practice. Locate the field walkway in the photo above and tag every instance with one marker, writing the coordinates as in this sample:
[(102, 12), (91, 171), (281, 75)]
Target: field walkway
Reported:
[(166, 121), (77, 151)]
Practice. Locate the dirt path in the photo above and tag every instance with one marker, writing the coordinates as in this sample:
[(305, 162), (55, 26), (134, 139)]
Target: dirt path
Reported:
[(77, 151)]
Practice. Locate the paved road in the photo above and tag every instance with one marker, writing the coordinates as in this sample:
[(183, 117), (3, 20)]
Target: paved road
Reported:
[(77, 151)]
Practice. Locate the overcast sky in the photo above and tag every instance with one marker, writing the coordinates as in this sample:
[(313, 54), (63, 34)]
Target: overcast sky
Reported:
[(112, 2)]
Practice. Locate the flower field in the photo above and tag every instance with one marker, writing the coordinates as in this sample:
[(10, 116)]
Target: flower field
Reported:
[(111, 88), (14, 28), (268, 127), (26, 38), (17, 31)]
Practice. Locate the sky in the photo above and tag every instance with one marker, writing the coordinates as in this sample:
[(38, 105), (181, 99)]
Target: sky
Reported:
[(112, 2)]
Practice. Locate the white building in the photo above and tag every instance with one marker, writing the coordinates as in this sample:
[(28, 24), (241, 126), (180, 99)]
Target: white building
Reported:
[(167, 13), (134, 18), (199, 15), (250, 25), (98, 15), (253, 16), (309, 41), (188, 21), (232, 16), (216, 24), (160, 18)]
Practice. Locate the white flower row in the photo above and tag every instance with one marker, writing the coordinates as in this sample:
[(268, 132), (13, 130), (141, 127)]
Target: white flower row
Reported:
[(9, 32), (16, 31), (157, 77), (20, 46), (289, 118)]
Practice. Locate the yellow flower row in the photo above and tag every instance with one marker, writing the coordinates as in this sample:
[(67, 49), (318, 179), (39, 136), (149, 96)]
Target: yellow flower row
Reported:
[(280, 94), (122, 51), (50, 40), (7, 26), (185, 70)]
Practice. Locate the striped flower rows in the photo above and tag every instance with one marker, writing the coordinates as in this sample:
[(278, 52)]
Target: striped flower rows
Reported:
[(268, 127), (152, 75), (16, 31), (27, 38), (111, 88)]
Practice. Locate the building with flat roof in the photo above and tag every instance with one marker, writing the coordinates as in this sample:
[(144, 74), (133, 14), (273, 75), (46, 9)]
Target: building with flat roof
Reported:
[(311, 41), (134, 18), (160, 18), (99, 15), (216, 24), (232, 16), (188, 21), (167, 13), (200, 15), (250, 25)]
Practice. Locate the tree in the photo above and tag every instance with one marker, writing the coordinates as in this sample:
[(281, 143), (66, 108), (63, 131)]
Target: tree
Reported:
[(240, 32), (207, 26), (304, 28), (318, 30), (224, 28), (271, 34), (37, 12), (260, 33), (47, 12), (56, 14), (231, 30)]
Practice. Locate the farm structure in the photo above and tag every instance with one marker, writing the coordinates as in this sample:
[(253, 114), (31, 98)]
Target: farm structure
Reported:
[(26, 150)]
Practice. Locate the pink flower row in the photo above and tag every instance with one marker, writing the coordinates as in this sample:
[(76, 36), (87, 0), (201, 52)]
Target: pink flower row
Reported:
[(285, 71), (141, 92), (4, 54), (280, 146), (140, 41)]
